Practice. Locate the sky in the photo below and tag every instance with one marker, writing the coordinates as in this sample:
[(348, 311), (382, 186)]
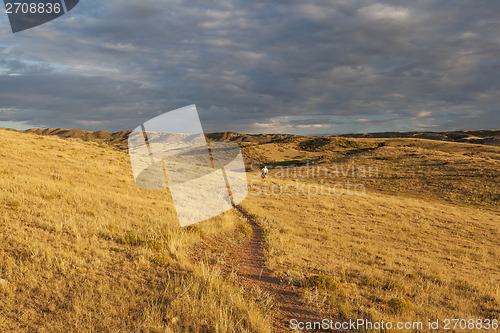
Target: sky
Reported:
[(302, 67)]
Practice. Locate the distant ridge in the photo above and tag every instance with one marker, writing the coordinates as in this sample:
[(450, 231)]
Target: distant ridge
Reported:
[(119, 140), (485, 137), (258, 138)]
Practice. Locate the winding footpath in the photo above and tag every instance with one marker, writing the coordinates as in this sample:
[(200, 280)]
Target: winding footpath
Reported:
[(252, 272)]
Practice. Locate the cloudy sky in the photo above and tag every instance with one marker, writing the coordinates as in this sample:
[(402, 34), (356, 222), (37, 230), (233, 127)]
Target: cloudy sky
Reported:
[(305, 67)]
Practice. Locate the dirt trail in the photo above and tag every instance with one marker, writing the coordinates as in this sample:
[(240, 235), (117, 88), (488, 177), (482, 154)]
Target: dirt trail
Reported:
[(252, 272)]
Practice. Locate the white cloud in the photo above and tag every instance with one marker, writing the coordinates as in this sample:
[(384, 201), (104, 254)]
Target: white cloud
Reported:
[(384, 12), (424, 114)]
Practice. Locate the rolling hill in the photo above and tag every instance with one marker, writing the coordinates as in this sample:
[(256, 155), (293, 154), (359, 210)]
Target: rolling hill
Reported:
[(119, 139), (400, 228)]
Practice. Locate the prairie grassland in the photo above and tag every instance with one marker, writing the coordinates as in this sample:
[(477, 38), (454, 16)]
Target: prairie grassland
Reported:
[(422, 243), (83, 249), (457, 173), (444, 171)]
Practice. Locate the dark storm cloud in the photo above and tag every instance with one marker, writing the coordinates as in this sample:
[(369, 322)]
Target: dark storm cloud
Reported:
[(259, 66)]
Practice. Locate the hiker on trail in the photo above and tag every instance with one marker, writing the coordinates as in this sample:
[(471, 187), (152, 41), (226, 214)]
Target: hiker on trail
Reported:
[(265, 170)]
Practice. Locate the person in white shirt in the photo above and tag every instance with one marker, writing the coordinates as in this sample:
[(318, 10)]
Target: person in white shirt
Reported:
[(265, 170)]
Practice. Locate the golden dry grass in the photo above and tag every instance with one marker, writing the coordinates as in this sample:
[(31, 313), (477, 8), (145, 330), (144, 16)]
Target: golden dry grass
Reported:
[(85, 250), (422, 243)]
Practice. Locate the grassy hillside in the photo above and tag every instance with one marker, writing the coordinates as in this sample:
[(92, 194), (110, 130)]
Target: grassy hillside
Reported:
[(84, 249), (421, 241), (119, 139), (441, 258), (381, 228), (454, 172)]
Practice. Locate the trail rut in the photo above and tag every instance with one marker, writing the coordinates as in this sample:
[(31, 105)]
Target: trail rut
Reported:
[(251, 268)]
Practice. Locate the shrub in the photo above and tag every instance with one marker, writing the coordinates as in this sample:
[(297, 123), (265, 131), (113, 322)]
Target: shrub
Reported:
[(323, 282), (394, 286), (160, 259), (245, 229), (400, 305), (154, 245)]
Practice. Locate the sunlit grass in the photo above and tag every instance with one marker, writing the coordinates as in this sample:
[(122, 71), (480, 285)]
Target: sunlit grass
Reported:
[(421, 243), (85, 249)]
